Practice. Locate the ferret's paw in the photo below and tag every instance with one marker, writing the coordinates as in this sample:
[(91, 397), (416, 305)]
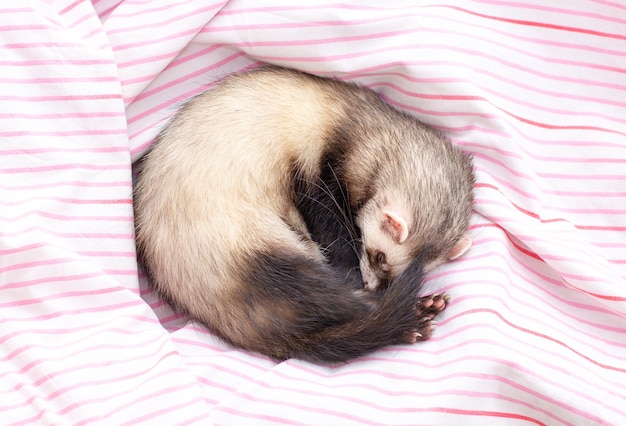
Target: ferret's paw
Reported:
[(426, 309)]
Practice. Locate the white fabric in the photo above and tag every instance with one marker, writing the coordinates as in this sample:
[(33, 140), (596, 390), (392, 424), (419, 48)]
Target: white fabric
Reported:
[(536, 330)]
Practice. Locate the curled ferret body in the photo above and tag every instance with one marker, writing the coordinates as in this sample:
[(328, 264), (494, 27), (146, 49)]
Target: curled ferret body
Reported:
[(227, 201)]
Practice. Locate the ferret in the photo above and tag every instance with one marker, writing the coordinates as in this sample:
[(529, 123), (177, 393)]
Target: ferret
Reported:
[(296, 216)]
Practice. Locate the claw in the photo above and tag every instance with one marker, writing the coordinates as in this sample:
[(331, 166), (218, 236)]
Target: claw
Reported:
[(426, 310)]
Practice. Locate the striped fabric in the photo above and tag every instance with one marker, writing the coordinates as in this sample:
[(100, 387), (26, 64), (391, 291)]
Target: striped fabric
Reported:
[(536, 330)]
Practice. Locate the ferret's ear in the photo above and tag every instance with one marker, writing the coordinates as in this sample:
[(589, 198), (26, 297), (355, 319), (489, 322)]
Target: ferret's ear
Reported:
[(395, 225), (461, 247)]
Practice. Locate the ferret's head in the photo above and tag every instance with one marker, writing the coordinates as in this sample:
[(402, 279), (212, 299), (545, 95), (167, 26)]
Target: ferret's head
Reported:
[(393, 235), (417, 201)]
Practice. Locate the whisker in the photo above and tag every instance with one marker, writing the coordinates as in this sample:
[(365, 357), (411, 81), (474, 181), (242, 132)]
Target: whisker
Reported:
[(345, 196), (342, 219), (339, 218)]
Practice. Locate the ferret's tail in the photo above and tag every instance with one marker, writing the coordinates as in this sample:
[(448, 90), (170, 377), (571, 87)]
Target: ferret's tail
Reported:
[(397, 318), (330, 321)]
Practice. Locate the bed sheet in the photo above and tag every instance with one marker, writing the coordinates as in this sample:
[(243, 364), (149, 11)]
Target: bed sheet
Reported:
[(536, 329)]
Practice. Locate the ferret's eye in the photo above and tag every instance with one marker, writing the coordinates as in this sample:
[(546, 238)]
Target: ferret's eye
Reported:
[(381, 261)]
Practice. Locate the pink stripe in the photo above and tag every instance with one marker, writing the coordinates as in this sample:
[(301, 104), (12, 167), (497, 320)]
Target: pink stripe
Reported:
[(544, 25), (84, 311), (566, 127), (68, 201), (603, 177), (82, 20), (174, 318), (109, 253), (231, 371), (62, 115), (553, 142), (602, 211), (227, 352), (240, 358), (156, 40), (165, 23), (610, 3), (60, 261), (137, 80), (495, 414), (149, 59), (215, 385), (64, 133), (69, 7), (71, 184), (95, 33), (51, 279), (560, 209), (53, 80), (29, 265), (290, 25), (602, 228), (568, 12), (142, 397), (57, 44), (580, 193), (57, 216), (146, 9), (58, 167), (68, 235), (59, 314), (23, 27), (280, 420), (202, 344), (154, 414), (531, 154), (50, 62), (333, 7), (174, 390), (61, 98), (28, 247)]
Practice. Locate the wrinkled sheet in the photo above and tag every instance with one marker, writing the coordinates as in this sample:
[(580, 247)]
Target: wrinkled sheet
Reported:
[(536, 330)]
